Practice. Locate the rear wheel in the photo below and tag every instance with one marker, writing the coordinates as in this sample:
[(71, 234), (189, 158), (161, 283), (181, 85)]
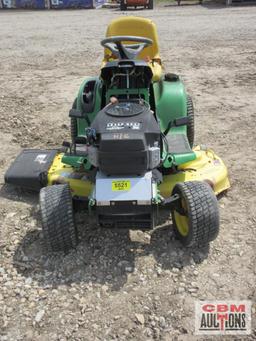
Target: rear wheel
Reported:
[(191, 124), (196, 218), (123, 6), (57, 217), (73, 124)]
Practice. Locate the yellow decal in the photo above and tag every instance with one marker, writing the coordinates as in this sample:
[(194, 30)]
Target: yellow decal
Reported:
[(121, 185)]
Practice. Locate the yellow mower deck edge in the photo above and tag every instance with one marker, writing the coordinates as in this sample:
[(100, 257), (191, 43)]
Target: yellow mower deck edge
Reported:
[(60, 173), (206, 167)]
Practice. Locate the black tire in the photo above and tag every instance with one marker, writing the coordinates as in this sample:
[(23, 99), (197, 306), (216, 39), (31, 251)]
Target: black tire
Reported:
[(191, 124), (73, 124), (151, 4), (57, 217), (123, 6), (199, 206), (154, 217), (73, 129)]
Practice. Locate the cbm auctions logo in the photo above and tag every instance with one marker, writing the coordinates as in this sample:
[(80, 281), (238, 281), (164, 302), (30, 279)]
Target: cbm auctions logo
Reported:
[(222, 317)]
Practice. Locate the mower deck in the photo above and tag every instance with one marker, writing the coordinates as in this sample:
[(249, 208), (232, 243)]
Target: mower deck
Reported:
[(206, 167)]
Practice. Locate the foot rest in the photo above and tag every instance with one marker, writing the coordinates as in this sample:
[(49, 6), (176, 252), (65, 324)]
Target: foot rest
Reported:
[(178, 144)]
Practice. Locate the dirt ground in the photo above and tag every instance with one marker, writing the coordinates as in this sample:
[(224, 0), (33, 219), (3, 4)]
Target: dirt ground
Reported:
[(122, 285)]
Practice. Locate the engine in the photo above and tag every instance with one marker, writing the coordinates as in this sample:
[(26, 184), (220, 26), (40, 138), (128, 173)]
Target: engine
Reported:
[(126, 141)]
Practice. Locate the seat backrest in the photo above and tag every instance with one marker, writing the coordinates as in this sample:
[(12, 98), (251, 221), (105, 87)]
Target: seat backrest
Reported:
[(135, 26)]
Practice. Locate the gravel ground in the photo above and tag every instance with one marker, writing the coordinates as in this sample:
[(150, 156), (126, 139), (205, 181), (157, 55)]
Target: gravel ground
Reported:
[(124, 285)]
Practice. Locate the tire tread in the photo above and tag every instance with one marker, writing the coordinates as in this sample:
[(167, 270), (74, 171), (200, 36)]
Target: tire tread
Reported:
[(191, 124), (203, 213), (57, 217)]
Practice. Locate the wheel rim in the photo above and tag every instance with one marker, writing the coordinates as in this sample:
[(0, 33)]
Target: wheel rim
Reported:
[(182, 220)]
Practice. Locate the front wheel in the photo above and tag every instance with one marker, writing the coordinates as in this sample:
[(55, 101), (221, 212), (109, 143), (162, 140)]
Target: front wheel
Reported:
[(196, 216), (57, 217)]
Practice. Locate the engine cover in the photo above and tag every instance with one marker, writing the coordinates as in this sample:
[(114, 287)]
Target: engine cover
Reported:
[(128, 139)]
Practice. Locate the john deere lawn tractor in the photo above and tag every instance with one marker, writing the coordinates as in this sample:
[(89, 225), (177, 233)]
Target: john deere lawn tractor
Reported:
[(131, 150)]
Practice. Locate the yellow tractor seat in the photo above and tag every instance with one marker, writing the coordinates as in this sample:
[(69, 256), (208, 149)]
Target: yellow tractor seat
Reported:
[(136, 26)]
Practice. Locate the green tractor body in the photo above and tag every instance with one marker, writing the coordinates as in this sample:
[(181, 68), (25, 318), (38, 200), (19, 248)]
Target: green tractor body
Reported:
[(131, 150), (160, 94)]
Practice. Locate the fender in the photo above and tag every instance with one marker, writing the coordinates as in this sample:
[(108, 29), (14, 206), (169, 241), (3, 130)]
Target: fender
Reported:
[(92, 108), (171, 103)]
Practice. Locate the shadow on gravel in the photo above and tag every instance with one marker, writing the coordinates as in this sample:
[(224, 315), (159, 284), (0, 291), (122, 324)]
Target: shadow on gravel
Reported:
[(104, 256), (18, 194), (209, 4), (131, 9)]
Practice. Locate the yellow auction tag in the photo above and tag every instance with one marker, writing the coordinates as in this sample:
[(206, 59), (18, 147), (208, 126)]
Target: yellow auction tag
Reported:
[(121, 185)]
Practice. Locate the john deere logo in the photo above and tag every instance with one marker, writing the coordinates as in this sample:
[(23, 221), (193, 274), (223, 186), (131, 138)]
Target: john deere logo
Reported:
[(223, 317), (122, 125)]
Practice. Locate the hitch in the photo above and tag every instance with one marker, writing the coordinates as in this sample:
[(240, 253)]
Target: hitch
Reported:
[(174, 202), (171, 200)]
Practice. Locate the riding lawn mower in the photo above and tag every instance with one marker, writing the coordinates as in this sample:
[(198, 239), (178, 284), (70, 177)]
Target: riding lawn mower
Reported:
[(131, 151)]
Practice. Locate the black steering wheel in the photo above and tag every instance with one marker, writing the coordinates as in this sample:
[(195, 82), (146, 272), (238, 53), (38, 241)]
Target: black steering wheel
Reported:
[(126, 51)]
